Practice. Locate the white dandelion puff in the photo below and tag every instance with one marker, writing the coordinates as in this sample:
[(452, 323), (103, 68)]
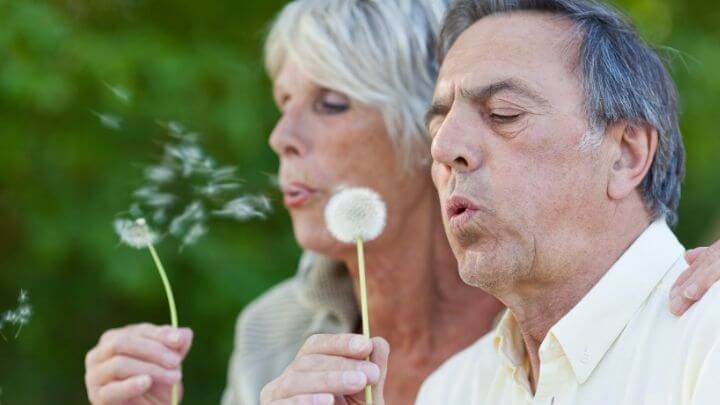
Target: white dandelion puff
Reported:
[(136, 233), (355, 213)]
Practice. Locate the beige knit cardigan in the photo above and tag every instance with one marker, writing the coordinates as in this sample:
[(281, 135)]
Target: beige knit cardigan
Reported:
[(270, 331)]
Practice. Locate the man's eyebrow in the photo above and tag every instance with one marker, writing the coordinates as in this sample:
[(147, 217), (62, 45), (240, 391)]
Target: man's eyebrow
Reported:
[(441, 106), (482, 94)]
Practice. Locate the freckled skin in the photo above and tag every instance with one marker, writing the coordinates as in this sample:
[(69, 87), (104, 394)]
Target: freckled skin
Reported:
[(326, 149)]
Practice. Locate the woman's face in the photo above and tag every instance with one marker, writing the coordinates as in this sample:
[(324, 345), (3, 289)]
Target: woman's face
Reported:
[(324, 141)]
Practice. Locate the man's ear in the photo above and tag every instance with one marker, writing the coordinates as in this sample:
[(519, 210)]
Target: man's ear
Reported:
[(633, 151)]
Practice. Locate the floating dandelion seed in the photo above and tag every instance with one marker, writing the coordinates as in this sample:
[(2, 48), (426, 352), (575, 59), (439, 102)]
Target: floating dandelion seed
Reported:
[(20, 316), (245, 208), (119, 92), (186, 188), (159, 174), (357, 215), (108, 120)]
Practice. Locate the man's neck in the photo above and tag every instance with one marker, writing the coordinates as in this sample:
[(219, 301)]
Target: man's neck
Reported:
[(538, 305)]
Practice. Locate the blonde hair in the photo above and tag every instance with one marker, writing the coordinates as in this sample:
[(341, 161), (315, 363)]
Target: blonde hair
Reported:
[(381, 53)]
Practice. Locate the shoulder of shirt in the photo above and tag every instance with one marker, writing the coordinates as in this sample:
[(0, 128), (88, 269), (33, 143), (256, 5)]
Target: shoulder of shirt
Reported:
[(276, 318), (268, 333), (697, 331), (460, 370)]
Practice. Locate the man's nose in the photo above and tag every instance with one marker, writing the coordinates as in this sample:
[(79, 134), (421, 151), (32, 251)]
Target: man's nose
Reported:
[(286, 138), (456, 145)]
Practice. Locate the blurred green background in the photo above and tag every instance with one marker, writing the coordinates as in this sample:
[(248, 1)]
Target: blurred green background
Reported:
[(64, 175)]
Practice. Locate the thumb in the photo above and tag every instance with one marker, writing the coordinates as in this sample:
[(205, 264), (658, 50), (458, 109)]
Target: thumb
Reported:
[(380, 356), (692, 254)]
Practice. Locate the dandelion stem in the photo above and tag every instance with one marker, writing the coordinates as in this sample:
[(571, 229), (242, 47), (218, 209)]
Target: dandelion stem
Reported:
[(171, 303), (364, 307)]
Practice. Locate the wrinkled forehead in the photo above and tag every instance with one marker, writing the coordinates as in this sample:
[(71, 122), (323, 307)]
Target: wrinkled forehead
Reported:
[(537, 48)]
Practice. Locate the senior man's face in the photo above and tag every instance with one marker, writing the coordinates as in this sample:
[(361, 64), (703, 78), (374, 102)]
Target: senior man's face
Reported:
[(507, 120)]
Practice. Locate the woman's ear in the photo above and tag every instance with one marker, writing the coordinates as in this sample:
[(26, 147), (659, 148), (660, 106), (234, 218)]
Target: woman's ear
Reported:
[(634, 151)]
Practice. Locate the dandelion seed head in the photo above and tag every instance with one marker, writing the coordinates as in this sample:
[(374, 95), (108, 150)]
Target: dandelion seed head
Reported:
[(354, 213), (136, 233)]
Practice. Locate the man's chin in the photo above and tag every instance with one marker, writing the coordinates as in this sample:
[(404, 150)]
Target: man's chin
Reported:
[(482, 270)]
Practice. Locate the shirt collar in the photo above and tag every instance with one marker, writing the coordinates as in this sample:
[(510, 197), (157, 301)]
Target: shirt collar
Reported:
[(587, 332)]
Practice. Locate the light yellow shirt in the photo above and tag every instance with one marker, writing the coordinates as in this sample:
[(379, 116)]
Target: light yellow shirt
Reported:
[(620, 345)]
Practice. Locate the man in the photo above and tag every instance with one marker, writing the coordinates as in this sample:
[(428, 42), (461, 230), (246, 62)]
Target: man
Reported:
[(558, 160)]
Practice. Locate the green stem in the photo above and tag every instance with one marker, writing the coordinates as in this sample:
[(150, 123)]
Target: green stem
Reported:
[(171, 303), (364, 307)]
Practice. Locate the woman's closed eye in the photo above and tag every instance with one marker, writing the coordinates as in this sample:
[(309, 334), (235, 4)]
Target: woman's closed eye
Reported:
[(332, 102)]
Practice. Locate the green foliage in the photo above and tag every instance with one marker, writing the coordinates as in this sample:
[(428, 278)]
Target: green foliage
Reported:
[(64, 176)]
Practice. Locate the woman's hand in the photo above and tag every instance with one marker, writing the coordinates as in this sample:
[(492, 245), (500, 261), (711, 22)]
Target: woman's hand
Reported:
[(137, 364), (331, 369), (693, 283)]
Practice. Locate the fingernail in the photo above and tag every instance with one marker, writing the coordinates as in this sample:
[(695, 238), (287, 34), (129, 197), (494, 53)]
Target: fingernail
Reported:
[(323, 399), (371, 370), (174, 337), (357, 344), (353, 378), (676, 305), (171, 359), (692, 291), (143, 382), (174, 375)]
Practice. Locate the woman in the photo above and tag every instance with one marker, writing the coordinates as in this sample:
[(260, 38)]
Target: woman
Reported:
[(352, 79)]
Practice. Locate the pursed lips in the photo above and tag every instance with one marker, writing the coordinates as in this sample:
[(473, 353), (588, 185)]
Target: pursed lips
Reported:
[(296, 194), (459, 211)]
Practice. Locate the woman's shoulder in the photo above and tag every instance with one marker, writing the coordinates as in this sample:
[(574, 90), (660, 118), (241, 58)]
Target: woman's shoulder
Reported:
[(273, 316), (272, 328)]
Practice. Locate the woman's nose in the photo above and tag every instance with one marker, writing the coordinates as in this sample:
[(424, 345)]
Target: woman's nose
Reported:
[(285, 139)]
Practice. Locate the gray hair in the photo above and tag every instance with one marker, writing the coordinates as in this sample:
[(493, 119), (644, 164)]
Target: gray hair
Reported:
[(624, 79), (381, 53)]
